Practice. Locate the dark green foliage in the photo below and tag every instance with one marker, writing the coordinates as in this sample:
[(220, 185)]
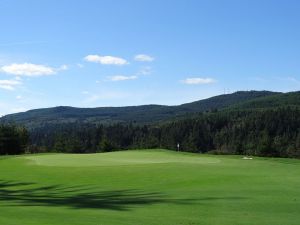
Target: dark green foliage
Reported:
[(261, 123), (144, 114), (270, 132), (13, 139), (272, 101)]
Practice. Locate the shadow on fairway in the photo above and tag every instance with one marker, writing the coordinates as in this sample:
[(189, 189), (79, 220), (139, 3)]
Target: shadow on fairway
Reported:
[(23, 194)]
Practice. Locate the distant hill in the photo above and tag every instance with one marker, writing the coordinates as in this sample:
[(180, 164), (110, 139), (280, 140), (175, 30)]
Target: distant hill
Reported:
[(147, 113), (271, 101)]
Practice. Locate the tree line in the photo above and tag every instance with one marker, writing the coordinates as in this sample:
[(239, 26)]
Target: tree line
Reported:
[(13, 139), (262, 132)]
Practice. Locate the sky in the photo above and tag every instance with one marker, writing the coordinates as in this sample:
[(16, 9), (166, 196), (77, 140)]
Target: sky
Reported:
[(94, 53)]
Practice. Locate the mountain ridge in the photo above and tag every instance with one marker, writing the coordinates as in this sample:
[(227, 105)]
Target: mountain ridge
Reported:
[(137, 114)]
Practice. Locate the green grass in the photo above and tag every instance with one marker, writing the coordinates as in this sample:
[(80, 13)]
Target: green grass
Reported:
[(149, 187)]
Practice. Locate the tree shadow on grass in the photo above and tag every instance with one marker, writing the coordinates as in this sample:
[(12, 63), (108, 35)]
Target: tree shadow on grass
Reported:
[(82, 197), (25, 194)]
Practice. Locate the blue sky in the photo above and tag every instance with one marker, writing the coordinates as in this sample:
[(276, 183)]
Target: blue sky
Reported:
[(132, 52)]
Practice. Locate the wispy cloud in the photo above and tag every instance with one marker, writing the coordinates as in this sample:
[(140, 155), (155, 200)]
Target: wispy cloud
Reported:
[(63, 67), (198, 80), (293, 79), (145, 71), (9, 84), (106, 60), (85, 92), (143, 58), (28, 69), (122, 78), (31, 70), (79, 65)]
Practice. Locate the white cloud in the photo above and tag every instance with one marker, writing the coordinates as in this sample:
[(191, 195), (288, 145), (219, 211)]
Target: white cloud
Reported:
[(19, 97), (85, 92), (122, 78), (143, 58), (79, 65), (145, 71), (28, 69), (198, 80), (9, 84), (293, 79), (106, 60), (63, 67)]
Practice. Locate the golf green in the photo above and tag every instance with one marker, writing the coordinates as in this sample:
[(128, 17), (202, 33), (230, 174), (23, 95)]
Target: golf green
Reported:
[(148, 187)]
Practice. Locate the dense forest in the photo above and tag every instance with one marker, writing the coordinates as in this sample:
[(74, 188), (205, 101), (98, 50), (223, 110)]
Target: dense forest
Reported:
[(144, 114), (265, 125), (13, 140), (271, 132)]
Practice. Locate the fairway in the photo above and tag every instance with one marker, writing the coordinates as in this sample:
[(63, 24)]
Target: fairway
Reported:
[(148, 187)]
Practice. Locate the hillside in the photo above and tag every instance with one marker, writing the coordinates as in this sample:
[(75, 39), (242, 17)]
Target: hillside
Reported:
[(271, 101), (139, 114)]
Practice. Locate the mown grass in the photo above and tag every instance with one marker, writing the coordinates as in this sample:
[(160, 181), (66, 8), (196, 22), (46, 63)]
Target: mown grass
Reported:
[(155, 187)]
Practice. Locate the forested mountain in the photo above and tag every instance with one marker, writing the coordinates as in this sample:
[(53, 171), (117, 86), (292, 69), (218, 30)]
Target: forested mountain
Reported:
[(137, 114), (268, 132), (272, 101), (256, 123)]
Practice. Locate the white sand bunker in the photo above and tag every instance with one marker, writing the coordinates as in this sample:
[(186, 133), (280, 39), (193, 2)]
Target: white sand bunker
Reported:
[(246, 157)]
